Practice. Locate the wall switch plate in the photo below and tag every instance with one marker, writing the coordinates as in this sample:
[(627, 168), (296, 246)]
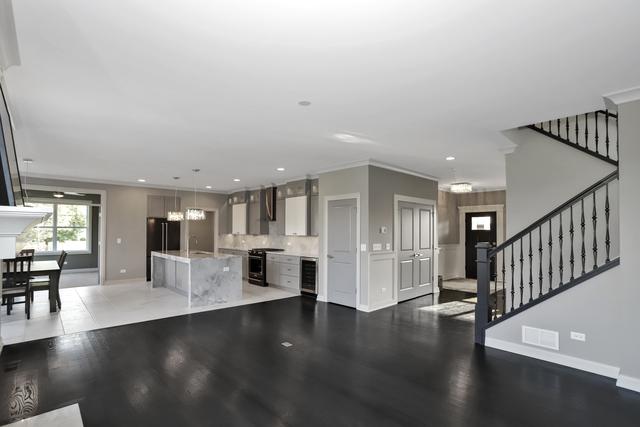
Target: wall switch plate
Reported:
[(225, 268), (388, 246), (578, 336), (363, 247), (124, 270), (377, 246), (383, 230), (119, 240)]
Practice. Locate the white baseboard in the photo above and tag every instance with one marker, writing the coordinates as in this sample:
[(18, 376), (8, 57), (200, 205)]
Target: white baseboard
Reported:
[(630, 383), (121, 281), (79, 270), (380, 306), (553, 357), (322, 298)]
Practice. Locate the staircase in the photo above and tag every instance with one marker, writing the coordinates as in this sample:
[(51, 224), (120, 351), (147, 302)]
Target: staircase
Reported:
[(573, 243)]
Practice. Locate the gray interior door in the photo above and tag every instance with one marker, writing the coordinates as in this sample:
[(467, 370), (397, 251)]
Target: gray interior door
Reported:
[(342, 251), (415, 250)]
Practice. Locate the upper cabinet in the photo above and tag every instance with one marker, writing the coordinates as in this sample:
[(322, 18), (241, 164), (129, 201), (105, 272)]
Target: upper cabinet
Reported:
[(239, 218), (258, 223), (296, 216), (297, 188), (159, 206)]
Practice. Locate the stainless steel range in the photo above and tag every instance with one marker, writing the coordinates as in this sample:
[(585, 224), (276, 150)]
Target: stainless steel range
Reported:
[(258, 265)]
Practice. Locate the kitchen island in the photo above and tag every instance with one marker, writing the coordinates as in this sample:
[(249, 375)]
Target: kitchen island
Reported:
[(205, 278)]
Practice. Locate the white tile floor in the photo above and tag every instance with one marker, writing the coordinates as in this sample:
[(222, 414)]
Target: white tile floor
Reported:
[(94, 307), (68, 416)]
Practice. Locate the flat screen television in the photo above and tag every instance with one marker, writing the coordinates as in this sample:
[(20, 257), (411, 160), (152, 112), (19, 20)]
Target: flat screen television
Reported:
[(10, 184)]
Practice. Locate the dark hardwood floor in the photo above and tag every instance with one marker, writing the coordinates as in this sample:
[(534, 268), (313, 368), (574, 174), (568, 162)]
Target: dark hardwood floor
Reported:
[(400, 366)]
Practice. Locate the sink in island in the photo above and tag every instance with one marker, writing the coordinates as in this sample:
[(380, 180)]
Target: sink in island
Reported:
[(205, 278)]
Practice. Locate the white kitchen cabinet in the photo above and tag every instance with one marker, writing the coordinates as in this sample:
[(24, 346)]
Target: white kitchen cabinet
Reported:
[(296, 216), (283, 271), (239, 218), (273, 272)]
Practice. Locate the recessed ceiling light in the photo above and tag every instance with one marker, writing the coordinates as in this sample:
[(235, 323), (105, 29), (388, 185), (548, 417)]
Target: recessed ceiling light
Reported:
[(449, 158), (236, 179), (142, 180), (350, 138), (58, 195), (208, 187), (280, 169), (304, 103)]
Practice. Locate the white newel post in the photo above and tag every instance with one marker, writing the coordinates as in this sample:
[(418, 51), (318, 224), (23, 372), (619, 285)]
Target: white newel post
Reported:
[(13, 221)]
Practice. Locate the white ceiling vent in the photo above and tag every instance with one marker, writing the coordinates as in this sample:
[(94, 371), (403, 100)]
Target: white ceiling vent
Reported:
[(541, 337)]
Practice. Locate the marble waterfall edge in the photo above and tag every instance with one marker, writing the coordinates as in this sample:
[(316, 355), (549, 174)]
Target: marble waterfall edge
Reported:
[(215, 280)]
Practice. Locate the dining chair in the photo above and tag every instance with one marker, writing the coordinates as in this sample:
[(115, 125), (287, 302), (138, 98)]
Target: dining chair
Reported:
[(27, 252), (16, 282), (43, 283)]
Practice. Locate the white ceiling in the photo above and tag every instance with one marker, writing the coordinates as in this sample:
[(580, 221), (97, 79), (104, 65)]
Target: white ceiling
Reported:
[(117, 90)]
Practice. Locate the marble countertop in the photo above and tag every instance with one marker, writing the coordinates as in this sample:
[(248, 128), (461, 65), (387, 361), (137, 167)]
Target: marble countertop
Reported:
[(189, 255)]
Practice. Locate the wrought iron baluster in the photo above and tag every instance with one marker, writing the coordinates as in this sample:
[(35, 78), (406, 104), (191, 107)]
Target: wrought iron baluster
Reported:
[(607, 238), (577, 132), (504, 281), (597, 137), (530, 269), (495, 289), (521, 273), (583, 224), (513, 292), (540, 275), (558, 126), (550, 257), (586, 130), (571, 233), (566, 128), (594, 217), (617, 139), (606, 125), (549, 124), (561, 261)]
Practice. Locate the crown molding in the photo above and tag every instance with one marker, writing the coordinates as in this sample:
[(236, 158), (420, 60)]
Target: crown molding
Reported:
[(379, 164), (118, 183), (613, 99)]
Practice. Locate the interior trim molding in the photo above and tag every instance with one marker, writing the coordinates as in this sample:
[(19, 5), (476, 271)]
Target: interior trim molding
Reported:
[(554, 357), (613, 99), (630, 383), (380, 306), (142, 280), (373, 162)]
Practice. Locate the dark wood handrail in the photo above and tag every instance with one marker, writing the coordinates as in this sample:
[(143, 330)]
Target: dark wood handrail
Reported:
[(607, 179)]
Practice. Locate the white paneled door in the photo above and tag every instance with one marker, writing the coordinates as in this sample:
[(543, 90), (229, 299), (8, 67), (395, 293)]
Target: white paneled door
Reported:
[(342, 252), (415, 250)]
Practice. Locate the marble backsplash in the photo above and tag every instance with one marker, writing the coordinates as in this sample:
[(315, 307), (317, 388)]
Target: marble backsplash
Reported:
[(308, 245)]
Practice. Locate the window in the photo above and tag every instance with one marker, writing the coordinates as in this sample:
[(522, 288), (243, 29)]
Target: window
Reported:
[(68, 228), (481, 223)]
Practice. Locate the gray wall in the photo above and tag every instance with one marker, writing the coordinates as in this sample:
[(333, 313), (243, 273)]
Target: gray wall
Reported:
[(384, 184), (126, 219), (347, 181), (448, 217), (541, 175), (628, 290)]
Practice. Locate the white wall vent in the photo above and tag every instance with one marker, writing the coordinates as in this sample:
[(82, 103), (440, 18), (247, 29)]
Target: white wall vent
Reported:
[(541, 337)]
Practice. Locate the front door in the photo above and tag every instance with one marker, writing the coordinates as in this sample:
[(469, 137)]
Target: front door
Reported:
[(479, 227), (415, 251), (342, 252)]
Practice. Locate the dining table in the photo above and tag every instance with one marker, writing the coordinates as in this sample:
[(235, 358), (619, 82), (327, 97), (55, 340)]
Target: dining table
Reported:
[(49, 269)]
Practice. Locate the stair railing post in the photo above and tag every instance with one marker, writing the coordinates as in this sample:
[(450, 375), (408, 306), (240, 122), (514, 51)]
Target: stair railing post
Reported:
[(483, 311)]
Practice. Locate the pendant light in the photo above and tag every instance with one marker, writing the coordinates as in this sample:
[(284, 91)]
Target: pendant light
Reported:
[(195, 214), (175, 214)]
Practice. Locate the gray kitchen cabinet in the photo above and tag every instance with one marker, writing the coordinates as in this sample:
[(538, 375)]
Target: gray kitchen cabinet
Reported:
[(314, 187), (283, 271), (224, 221), (239, 218), (159, 206), (280, 216), (258, 223), (314, 215), (239, 197), (297, 188)]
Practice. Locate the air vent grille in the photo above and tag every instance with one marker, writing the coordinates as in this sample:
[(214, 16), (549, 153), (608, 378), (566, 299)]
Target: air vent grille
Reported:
[(541, 337)]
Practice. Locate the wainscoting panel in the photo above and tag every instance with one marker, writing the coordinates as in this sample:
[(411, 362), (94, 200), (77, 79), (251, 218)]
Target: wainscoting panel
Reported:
[(382, 272), (451, 261)]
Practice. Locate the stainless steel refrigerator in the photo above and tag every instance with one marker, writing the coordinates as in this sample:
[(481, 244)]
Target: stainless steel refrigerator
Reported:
[(162, 235)]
